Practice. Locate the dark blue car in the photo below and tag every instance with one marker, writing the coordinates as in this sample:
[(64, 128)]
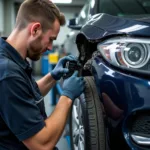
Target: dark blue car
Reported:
[(114, 111)]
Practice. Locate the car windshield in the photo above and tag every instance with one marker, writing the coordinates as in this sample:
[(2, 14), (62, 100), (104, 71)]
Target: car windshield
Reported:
[(125, 8)]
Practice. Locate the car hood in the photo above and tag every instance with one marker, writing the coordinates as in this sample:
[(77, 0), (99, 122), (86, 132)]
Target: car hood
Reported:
[(103, 25)]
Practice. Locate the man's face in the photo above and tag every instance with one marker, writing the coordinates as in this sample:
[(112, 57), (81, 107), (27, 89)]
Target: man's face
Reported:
[(42, 42)]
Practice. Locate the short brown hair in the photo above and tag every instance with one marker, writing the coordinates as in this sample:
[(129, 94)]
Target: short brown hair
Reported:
[(43, 11)]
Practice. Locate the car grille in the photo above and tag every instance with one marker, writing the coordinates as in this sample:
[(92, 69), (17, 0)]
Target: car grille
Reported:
[(141, 125)]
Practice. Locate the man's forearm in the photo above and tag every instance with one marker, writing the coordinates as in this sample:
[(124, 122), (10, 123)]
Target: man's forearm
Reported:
[(57, 121), (48, 137), (46, 83)]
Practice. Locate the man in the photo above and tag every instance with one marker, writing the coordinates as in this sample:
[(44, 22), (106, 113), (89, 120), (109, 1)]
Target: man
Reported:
[(23, 122)]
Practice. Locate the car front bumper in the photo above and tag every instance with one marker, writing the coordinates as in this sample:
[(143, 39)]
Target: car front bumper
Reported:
[(127, 105)]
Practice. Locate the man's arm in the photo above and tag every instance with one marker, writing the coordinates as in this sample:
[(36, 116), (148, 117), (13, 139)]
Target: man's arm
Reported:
[(47, 138), (46, 83), (49, 80), (49, 135)]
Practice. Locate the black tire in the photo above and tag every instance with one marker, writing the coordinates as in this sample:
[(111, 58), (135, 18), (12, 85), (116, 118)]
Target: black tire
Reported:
[(86, 119)]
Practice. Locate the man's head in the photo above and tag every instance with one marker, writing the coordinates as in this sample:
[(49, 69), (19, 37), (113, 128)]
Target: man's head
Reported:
[(43, 11), (42, 20)]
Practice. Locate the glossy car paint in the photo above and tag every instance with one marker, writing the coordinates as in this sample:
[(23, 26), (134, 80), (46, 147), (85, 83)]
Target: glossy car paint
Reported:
[(104, 25), (128, 91)]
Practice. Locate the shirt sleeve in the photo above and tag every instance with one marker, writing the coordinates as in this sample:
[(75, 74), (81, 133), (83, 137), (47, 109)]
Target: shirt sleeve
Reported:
[(18, 108)]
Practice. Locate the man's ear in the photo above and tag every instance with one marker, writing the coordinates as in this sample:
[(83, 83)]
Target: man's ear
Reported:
[(35, 29)]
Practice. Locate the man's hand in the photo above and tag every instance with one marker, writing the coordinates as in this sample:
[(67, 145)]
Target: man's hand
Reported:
[(73, 86), (59, 69)]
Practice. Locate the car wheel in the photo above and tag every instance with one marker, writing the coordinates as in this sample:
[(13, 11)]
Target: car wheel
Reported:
[(86, 120)]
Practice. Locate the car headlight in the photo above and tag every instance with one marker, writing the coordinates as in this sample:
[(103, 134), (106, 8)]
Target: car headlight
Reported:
[(130, 53)]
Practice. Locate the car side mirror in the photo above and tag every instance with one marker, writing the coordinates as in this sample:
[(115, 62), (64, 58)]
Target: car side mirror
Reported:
[(73, 24)]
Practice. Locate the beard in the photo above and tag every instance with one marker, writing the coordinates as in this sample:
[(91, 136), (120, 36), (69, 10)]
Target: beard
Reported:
[(34, 49), (33, 56)]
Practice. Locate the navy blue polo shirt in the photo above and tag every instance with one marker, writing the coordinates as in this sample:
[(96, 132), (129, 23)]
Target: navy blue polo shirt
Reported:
[(22, 111)]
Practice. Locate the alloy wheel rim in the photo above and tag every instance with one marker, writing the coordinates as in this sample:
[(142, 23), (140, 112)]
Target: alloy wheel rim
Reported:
[(77, 126)]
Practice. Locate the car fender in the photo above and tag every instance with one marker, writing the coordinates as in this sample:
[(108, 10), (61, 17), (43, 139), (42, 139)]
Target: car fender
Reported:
[(103, 25)]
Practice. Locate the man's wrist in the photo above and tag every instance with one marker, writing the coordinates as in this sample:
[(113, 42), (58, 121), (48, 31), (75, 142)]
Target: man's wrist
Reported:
[(68, 94), (66, 98), (54, 76)]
